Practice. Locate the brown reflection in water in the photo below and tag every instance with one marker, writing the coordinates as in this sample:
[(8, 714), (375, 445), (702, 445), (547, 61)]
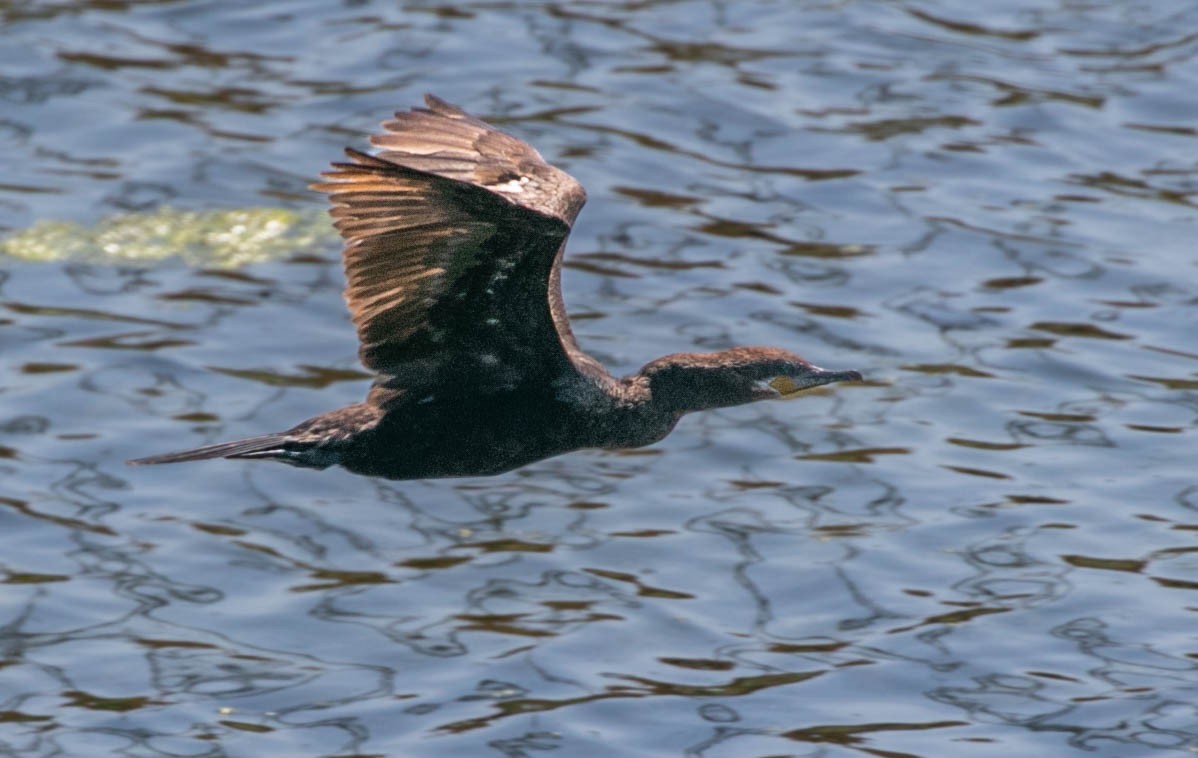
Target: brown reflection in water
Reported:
[(642, 589), (509, 546), (949, 368), (1106, 564), (952, 617), (883, 129), (699, 664), (984, 473), (204, 295), (850, 734), (982, 445), (27, 577), (962, 26), (433, 563), (1129, 187), (654, 198), (1072, 329), (642, 687), (315, 377), (1168, 383), (26, 509), (859, 455), (90, 314), (47, 368), (80, 699)]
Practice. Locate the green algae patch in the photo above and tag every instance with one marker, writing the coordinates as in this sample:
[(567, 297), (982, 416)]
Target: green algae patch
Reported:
[(225, 238)]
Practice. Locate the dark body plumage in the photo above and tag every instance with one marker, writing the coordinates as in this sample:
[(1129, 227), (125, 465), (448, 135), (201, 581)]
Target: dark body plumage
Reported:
[(454, 233)]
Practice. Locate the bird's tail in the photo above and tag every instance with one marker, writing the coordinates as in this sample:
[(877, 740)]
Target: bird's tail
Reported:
[(265, 446)]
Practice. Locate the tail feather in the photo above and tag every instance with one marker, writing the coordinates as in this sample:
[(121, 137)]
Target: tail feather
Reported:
[(253, 447)]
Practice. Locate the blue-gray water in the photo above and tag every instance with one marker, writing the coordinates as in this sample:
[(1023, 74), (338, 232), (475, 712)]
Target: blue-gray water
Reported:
[(988, 549)]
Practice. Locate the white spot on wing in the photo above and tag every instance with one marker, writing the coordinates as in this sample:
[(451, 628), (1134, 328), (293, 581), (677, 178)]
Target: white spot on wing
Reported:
[(515, 186)]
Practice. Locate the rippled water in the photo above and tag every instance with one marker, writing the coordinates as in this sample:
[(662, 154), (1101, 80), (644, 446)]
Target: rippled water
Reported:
[(986, 549)]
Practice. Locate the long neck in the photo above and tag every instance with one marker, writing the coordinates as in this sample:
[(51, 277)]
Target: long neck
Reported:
[(625, 415), (683, 388)]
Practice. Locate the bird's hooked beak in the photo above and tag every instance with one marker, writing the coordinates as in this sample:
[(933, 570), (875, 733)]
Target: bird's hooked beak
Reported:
[(787, 385)]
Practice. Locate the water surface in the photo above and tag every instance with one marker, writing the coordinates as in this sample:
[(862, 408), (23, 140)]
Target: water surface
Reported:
[(986, 549)]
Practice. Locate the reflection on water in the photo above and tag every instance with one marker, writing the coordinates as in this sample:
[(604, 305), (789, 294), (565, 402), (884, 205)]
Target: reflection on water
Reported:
[(987, 546)]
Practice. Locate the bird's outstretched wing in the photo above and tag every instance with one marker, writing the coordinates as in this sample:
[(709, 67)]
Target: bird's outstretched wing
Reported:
[(453, 233)]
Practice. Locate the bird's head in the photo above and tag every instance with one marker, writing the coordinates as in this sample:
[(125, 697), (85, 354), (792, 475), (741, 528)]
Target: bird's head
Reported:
[(687, 382)]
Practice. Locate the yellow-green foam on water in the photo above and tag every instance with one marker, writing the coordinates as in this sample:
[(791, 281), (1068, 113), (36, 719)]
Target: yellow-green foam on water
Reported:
[(212, 238)]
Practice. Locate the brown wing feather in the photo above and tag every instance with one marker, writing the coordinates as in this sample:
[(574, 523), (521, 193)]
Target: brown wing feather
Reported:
[(454, 234), (444, 276), (445, 140)]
